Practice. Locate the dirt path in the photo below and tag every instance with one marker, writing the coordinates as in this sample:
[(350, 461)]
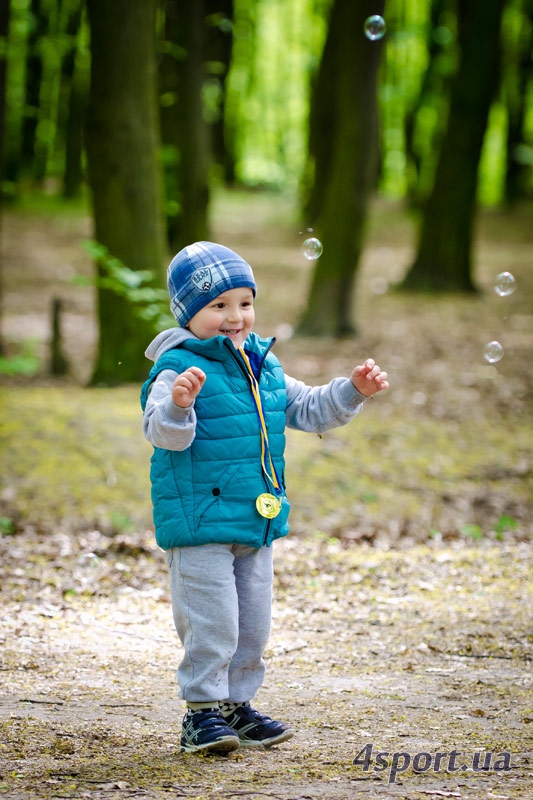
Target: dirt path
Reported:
[(414, 653), (412, 647)]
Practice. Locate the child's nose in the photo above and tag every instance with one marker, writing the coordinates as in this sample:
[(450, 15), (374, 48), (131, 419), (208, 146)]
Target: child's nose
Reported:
[(235, 313)]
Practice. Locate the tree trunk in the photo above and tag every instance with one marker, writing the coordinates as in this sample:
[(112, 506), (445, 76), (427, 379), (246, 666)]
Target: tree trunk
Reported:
[(194, 143), (34, 75), (343, 143), (124, 173), (443, 261), (219, 49), (519, 74), (171, 117), (4, 27), (72, 108), (184, 128), (434, 93)]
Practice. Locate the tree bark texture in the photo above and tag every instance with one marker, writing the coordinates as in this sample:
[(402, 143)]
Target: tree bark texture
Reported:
[(195, 144), (344, 147), (184, 125), (219, 51), (124, 171), (444, 260)]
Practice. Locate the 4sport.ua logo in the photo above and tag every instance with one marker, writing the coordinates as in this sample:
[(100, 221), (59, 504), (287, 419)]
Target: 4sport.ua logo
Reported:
[(382, 760)]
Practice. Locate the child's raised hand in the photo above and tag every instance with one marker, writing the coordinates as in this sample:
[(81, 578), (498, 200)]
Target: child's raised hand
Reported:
[(187, 386), (369, 379)]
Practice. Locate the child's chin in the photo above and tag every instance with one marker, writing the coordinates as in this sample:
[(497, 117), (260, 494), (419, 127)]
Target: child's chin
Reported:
[(237, 341)]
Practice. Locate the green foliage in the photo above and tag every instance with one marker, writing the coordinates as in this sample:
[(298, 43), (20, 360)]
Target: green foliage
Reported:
[(24, 363), (472, 531), (53, 44), (148, 302), (7, 526), (504, 524), (277, 45)]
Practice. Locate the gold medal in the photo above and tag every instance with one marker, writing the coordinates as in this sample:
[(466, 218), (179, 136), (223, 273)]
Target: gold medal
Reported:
[(268, 505)]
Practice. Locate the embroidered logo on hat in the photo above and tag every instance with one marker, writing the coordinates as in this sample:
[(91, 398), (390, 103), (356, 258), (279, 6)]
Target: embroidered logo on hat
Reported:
[(202, 279), (202, 271)]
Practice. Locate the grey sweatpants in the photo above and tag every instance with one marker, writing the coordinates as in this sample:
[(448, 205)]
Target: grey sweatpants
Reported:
[(221, 601)]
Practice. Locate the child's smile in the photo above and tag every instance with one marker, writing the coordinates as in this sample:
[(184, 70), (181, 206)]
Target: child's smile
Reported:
[(230, 314)]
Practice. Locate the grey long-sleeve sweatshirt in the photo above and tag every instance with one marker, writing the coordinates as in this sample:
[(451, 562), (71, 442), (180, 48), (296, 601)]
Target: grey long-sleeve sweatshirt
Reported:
[(309, 408)]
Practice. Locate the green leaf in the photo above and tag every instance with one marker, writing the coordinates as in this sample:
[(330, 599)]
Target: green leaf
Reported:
[(473, 531), (505, 523), (7, 527)]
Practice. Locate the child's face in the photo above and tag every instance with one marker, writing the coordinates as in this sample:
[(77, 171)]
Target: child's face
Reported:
[(230, 314)]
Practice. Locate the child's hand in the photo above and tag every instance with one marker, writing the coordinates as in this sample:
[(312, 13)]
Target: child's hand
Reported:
[(369, 379), (187, 386)]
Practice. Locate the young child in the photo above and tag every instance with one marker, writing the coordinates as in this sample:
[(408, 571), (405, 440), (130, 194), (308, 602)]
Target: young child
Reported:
[(216, 404)]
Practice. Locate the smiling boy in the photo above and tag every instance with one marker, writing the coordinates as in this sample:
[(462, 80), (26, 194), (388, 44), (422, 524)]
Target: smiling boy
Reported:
[(216, 404)]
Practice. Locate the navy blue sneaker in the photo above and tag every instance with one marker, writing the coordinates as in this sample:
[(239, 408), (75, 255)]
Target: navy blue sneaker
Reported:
[(206, 730), (253, 728)]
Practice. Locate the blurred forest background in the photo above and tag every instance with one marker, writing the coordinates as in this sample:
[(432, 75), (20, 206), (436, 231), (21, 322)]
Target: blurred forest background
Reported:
[(141, 110), (132, 128), (129, 128)]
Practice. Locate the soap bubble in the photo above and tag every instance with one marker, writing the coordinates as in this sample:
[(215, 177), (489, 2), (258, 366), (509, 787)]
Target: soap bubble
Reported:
[(312, 248), (379, 285), (505, 284), (375, 28), (493, 352), (284, 332), (89, 569)]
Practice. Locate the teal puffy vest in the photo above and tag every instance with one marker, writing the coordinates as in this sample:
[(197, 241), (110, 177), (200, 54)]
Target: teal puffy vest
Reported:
[(207, 493)]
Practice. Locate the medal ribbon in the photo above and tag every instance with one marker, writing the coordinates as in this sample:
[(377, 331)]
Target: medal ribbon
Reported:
[(266, 458)]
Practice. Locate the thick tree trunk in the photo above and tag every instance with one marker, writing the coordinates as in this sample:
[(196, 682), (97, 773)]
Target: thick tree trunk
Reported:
[(443, 260), (124, 173), (344, 146)]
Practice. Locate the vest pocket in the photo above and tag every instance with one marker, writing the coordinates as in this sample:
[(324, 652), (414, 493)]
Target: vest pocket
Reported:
[(213, 495)]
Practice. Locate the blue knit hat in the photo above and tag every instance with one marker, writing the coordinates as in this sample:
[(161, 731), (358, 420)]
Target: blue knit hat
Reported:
[(202, 271)]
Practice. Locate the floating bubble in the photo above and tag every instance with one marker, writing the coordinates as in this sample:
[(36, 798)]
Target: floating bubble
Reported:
[(505, 284), (284, 332), (375, 28), (89, 569), (493, 352), (379, 285), (312, 248)]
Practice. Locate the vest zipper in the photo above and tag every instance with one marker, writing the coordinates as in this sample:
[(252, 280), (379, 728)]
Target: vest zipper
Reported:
[(243, 369)]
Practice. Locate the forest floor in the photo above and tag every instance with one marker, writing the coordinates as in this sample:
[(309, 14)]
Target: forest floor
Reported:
[(402, 617)]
